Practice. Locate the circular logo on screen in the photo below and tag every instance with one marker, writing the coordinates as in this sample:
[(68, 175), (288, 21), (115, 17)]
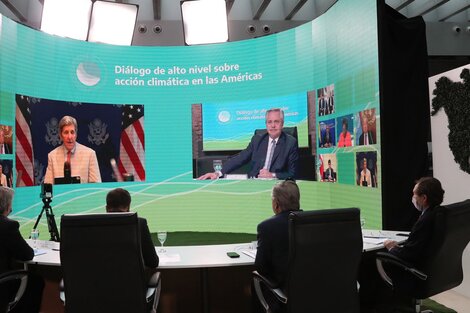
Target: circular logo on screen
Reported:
[(224, 116), (88, 73)]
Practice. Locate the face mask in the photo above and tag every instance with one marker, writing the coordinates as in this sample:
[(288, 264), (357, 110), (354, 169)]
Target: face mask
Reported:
[(415, 203)]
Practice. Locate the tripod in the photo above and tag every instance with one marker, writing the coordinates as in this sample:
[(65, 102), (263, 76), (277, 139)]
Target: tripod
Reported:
[(50, 219)]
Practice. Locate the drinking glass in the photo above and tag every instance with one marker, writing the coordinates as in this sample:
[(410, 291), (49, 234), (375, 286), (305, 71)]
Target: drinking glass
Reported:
[(217, 165), (34, 237), (253, 245), (161, 235)]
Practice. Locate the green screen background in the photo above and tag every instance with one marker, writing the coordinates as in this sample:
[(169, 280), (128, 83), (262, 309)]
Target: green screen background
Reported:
[(339, 47)]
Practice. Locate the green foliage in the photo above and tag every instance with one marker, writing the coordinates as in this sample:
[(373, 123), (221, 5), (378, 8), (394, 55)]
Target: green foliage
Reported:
[(435, 307), (454, 97)]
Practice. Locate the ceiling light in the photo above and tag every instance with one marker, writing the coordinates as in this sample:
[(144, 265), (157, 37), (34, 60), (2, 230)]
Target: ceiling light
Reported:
[(112, 22), (66, 18), (204, 21)]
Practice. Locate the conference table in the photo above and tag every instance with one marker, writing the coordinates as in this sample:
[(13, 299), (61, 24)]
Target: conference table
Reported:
[(203, 260)]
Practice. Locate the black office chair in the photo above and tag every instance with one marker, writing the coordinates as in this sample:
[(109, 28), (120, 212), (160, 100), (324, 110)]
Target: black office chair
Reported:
[(325, 249), (103, 267), (5, 279), (442, 267)]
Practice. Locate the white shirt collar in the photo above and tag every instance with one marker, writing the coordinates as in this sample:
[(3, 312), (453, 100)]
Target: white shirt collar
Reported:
[(73, 149)]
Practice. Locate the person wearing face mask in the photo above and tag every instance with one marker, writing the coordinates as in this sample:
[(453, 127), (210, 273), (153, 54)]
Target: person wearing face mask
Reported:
[(427, 197), (375, 296)]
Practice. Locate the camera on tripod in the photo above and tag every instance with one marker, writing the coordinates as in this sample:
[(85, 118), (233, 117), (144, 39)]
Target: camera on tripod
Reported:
[(46, 192), (46, 196)]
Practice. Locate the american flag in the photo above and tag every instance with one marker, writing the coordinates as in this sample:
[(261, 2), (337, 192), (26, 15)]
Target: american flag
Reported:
[(132, 146), (24, 143)]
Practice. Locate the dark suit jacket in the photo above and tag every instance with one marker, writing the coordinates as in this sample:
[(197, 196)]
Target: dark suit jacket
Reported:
[(283, 163), (327, 173), (413, 250), (148, 248), (273, 247), (331, 104), (326, 141), (7, 148), (14, 247), (372, 139), (12, 244), (321, 106)]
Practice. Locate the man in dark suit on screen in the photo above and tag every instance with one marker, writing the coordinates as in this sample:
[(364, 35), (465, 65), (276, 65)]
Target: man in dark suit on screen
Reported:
[(326, 138), (367, 137), (329, 175), (271, 155), (321, 106)]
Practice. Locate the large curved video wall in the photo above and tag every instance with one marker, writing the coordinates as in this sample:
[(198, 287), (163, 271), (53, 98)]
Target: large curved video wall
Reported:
[(165, 115)]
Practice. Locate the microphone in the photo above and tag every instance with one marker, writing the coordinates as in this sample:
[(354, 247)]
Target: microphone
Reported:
[(116, 172), (67, 171)]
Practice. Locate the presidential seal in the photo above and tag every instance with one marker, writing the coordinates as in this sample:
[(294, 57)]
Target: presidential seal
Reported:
[(98, 132), (52, 132)]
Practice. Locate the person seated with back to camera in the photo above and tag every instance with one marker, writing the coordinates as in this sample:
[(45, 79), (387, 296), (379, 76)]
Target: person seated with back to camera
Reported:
[(271, 155), (14, 247), (119, 200), (273, 238)]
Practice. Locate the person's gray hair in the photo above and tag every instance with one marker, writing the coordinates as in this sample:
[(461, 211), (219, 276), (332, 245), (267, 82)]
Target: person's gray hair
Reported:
[(287, 195), (66, 121), (281, 112), (6, 198)]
